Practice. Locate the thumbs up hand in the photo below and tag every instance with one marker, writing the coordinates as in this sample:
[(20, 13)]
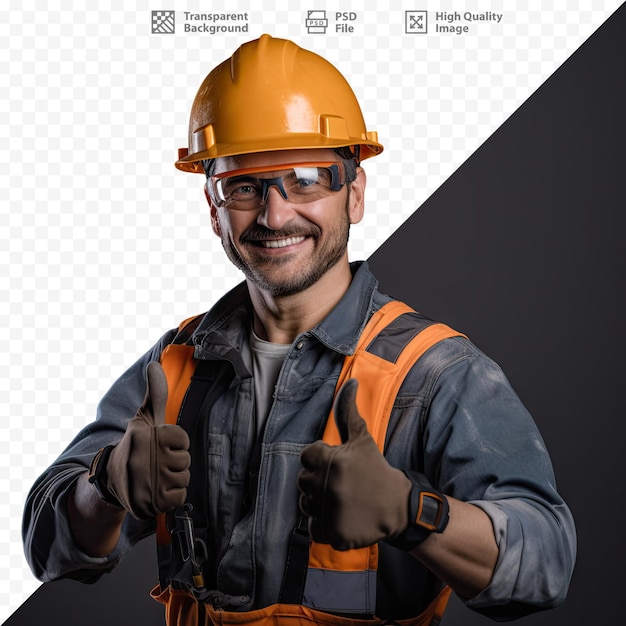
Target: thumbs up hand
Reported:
[(352, 496), (148, 470)]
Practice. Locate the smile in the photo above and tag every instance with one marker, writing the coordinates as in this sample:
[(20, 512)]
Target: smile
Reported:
[(281, 243)]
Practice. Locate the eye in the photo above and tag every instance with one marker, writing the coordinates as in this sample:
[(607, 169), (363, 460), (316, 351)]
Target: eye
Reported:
[(309, 176), (306, 182), (244, 190), (240, 188)]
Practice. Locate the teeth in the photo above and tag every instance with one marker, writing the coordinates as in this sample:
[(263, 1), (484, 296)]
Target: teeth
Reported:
[(281, 243)]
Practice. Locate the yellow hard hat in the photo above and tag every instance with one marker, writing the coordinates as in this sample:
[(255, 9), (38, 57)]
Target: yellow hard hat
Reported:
[(273, 95)]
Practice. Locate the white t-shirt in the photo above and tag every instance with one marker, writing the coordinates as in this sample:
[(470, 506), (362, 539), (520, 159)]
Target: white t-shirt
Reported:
[(267, 359)]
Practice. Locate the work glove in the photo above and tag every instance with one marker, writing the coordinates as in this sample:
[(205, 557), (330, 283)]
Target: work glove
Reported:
[(354, 498), (147, 472)]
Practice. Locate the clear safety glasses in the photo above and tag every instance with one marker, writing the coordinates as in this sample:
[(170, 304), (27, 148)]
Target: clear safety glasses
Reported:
[(247, 189)]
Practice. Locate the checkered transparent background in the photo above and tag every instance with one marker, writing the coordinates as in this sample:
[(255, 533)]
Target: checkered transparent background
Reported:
[(105, 245)]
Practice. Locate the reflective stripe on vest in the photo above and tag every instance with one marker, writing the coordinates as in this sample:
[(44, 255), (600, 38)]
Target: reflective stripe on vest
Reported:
[(182, 609), (391, 343)]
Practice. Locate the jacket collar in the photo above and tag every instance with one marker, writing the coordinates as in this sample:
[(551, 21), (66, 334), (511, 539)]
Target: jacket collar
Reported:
[(342, 327), (226, 326)]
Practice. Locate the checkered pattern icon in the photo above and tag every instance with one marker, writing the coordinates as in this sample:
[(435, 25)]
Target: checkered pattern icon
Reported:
[(163, 22)]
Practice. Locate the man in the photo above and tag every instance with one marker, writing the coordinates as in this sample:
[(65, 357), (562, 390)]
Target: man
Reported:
[(456, 490)]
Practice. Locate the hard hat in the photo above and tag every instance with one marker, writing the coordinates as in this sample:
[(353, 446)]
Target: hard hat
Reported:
[(273, 95)]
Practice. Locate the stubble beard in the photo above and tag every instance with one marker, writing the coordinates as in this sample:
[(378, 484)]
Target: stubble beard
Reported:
[(263, 273)]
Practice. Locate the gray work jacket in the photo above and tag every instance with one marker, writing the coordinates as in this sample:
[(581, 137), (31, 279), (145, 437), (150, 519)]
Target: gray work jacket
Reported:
[(456, 418)]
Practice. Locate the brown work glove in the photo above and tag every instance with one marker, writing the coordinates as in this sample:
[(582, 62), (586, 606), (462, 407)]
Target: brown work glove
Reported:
[(352, 496), (147, 472)]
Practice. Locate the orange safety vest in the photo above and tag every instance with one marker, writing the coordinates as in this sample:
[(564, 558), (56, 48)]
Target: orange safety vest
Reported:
[(387, 349)]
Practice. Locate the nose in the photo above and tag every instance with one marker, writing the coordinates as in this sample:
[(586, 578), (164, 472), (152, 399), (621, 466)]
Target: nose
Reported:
[(276, 211)]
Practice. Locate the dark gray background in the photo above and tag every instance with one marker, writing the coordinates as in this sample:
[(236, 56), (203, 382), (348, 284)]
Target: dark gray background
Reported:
[(522, 250)]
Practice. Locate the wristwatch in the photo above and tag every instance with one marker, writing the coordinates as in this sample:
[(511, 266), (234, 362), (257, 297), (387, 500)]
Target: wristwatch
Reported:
[(428, 510)]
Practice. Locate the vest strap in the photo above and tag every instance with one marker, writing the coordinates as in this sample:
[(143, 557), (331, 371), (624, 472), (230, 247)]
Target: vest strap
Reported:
[(391, 343)]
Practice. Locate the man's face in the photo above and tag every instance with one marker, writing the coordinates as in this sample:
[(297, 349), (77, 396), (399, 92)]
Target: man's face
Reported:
[(285, 247)]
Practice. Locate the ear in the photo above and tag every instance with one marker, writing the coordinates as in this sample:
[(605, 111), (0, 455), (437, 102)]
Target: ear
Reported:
[(215, 223), (356, 202)]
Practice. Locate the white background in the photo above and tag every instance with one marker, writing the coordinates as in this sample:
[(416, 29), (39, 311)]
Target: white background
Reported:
[(104, 245)]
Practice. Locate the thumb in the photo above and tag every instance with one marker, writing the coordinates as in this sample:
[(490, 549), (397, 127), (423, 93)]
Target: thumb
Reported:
[(156, 394), (349, 422)]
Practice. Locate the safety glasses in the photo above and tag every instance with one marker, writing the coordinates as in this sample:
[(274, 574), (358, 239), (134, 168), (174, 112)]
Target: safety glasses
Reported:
[(247, 189)]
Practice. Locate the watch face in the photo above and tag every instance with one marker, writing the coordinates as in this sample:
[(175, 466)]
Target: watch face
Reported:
[(432, 512)]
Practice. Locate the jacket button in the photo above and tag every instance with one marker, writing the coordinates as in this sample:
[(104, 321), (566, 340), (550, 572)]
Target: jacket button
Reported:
[(300, 345)]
